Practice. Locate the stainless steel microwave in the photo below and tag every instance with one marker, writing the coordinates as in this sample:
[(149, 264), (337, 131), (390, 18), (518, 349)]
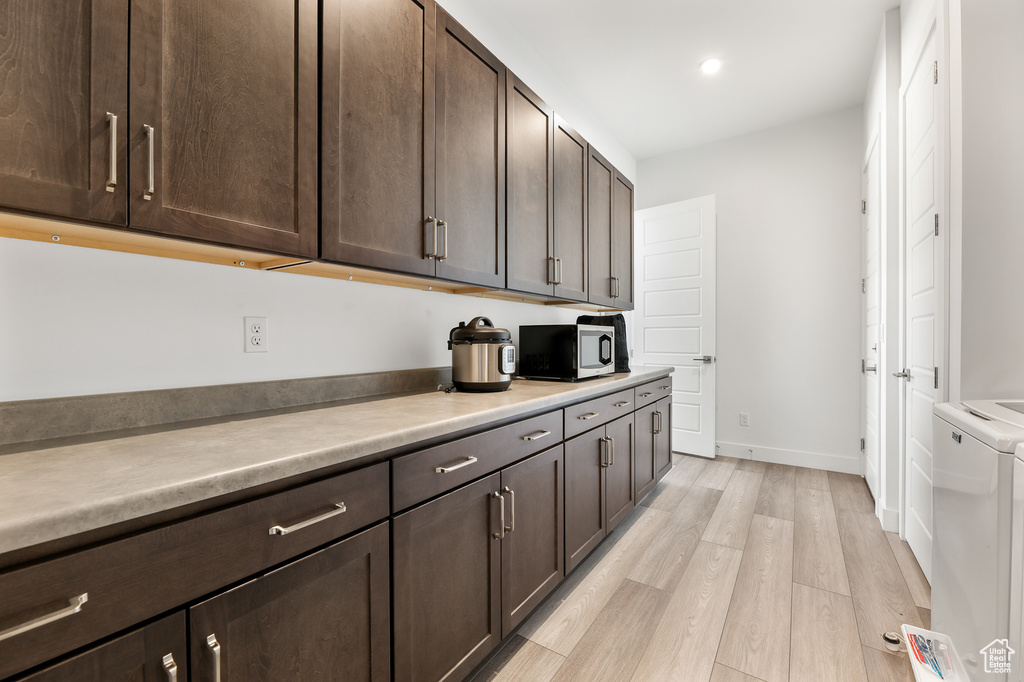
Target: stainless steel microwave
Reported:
[(566, 351)]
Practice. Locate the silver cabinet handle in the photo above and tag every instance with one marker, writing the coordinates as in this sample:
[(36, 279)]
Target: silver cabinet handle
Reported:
[(455, 467), (657, 416), (622, 403), (558, 271), (611, 287), (433, 252), (537, 436), (151, 137), (211, 641), (444, 239), (588, 415), (74, 606), (512, 508), (112, 179), (603, 450), (905, 374), (170, 668), (664, 388), (646, 393), (611, 452), (552, 270), (501, 519), (281, 530)]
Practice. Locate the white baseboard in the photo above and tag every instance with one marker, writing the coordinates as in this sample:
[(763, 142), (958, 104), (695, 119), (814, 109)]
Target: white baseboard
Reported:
[(890, 519), (813, 460)]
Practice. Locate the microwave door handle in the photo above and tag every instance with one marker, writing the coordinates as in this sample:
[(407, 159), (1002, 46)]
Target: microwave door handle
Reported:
[(605, 342)]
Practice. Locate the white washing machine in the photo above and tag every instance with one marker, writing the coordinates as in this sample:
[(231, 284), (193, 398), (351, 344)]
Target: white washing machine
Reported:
[(973, 488)]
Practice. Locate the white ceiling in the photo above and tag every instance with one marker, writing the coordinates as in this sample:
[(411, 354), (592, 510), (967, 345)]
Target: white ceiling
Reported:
[(635, 62)]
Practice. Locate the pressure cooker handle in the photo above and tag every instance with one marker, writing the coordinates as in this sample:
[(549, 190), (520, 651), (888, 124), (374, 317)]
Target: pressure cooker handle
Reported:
[(473, 323)]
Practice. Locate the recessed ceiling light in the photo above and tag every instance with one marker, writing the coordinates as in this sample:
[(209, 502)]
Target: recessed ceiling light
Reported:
[(711, 66)]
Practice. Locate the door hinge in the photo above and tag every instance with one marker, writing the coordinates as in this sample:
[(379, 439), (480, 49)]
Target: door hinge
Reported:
[(863, 446), (863, 286), (936, 224), (936, 378), (936, 72), (863, 206)]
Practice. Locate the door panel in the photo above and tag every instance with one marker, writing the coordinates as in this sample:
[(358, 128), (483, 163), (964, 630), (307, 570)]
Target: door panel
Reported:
[(533, 553), (619, 490), (230, 92), (600, 176), (570, 212), (323, 617), (529, 235), (378, 133), (675, 313), (584, 496), (447, 613), (872, 317), (924, 300), (470, 147), (135, 657), (64, 67)]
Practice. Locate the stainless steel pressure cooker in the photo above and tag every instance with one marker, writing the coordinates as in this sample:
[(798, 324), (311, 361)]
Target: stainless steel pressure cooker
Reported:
[(483, 357)]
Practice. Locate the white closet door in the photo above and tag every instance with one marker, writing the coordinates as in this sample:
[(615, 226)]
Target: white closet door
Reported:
[(872, 310), (675, 312)]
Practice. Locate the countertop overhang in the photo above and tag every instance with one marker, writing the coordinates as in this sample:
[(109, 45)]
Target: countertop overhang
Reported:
[(54, 492)]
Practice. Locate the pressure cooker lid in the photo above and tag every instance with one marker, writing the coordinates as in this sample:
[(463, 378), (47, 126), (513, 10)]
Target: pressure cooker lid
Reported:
[(479, 330)]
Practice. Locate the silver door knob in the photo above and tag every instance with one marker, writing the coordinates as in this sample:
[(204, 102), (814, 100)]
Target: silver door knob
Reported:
[(706, 359), (905, 374)]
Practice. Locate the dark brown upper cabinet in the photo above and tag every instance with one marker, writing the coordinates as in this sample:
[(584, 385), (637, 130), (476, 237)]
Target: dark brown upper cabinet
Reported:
[(570, 215), (610, 203), (532, 265), (223, 134), (413, 143), (64, 108)]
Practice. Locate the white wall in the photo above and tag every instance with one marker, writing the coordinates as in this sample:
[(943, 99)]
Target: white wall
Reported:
[(881, 126), (76, 321), (789, 249), (992, 297)]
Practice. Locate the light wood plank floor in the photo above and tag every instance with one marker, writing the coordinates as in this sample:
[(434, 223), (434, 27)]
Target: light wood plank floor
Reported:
[(730, 571)]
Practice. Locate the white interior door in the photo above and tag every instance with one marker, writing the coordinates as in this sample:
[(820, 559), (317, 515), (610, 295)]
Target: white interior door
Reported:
[(675, 312), (872, 317), (924, 268)]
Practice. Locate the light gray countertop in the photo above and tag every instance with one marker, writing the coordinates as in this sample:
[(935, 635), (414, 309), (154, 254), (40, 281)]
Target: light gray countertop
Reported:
[(56, 492)]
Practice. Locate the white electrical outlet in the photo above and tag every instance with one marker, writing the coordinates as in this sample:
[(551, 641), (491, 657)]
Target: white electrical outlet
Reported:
[(744, 419), (256, 335)]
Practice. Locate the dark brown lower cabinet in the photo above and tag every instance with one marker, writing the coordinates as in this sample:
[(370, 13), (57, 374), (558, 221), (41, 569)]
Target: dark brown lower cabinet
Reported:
[(663, 437), (599, 486), (323, 617), (532, 551), (645, 422), (154, 653)]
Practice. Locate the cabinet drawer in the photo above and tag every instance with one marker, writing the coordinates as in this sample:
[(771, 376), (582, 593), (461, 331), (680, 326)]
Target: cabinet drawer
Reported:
[(118, 584), (430, 472), (653, 391), (585, 416)]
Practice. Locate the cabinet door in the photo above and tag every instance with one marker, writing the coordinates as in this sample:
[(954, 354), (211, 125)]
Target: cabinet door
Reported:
[(469, 100), (64, 68), (378, 134), (663, 437), (619, 470), (447, 575), (324, 617), (570, 212), (646, 473), (150, 654), (584, 496), (600, 183), (622, 241), (531, 264), (532, 552), (228, 90)]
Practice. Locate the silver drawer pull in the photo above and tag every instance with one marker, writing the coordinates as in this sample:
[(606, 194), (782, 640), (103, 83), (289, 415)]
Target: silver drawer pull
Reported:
[(281, 530), (664, 388), (73, 607), (537, 436), (646, 394), (622, 403), (112, 178), (455, 467), (588, 415), (171, 668), (214, 645)]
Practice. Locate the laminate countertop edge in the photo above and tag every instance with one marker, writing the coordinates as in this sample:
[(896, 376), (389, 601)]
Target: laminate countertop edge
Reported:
[(57, 492)]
